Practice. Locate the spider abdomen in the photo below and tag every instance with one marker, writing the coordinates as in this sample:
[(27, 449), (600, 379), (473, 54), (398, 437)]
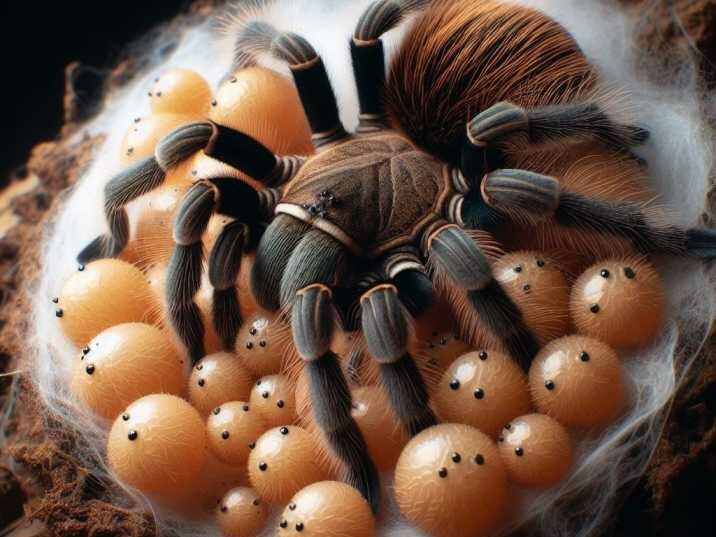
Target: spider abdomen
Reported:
[(372, 193)]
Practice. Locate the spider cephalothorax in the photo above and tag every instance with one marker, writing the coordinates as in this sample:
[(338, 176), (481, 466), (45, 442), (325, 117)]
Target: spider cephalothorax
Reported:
[(351, 229)]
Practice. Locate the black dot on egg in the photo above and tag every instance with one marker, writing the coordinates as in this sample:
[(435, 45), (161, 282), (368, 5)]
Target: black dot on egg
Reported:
[(252, 331), (594, 308), (132, 434), (80, 267), (224, 509), (283, 523), (518, 268), (90, 369), (443, 472), (265, 395), (263, 466), (258, 382), (549, 385), (256, 501), (540, 263), (201, 382), (299, 526), (519, 451), (85, 350), (245, 408), (125, 417), (225, 435), (479, 459), (199, 367), (456, 457), (284, 430), (280, 403), (262, 343), (604, 273), (584, 356), (482, 356), (55, 299), (249, 345), (59, 312), (217, 410), (454, 384), (292, 506), (252, 445), (526, 288), (479, 393), (629, 273)]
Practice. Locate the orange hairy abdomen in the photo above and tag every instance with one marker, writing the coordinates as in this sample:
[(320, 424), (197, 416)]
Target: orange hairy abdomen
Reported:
[(461, 57)]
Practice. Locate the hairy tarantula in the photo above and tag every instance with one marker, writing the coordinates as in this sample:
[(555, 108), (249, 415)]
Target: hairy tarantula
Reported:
[(350, 229)]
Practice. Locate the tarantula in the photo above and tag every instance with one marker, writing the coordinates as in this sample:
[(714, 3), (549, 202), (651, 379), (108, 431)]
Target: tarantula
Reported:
[(351, 228)]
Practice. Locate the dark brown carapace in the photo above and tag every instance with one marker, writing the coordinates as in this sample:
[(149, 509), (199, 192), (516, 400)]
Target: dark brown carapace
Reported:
[(488, 121)]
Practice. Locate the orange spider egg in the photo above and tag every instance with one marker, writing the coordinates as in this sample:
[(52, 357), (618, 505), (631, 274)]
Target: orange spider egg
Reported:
[(231, 431), (218, 378), (536, 450), (145, 132), (443, 348), (265, 105), (450, 482), (151, 238), (261, 344), (327, 509), (273, 397), (381, 430), (123, 363), (620, 302), (283, 461), (100, 295), (578, 381), (485, 389), (180, 91), (157, 445), (241, 513), (538, 287)]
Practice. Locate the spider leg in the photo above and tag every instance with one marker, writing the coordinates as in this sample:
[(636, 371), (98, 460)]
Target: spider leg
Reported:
[(309, 74), (226, 196), (126, 186), (458, 257), (560, 124), (312, 325), (369, 58), (386, 334), (520, 193), (317, 258), (229, 146), (224, 266)]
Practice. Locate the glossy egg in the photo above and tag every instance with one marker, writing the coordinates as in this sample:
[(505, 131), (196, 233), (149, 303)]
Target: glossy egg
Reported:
[(100, 295), (216, 379), (537, 285), (262, 343), (620, 302), (273, 397), (450, 481), (241, 513), (122, 364), (485, 389), (180, 91), (537, 451), (327, 509), (265, 105), (231, 431), (578, 381), (157, 445), (283, 461)]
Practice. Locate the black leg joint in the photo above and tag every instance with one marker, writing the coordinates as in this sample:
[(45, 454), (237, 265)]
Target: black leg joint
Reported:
[(317, 96), (369, 70), (241, 152)]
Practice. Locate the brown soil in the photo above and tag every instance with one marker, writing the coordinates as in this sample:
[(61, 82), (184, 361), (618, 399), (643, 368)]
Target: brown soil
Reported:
[(40, 482)]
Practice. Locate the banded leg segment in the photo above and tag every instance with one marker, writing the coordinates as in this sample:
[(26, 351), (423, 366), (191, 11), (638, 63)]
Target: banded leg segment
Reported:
[(457, 256), (226, 196), (523, 194), (386, 334), (369, 57), (224, 267), (229, 146), (312, 325), (128, 185)]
